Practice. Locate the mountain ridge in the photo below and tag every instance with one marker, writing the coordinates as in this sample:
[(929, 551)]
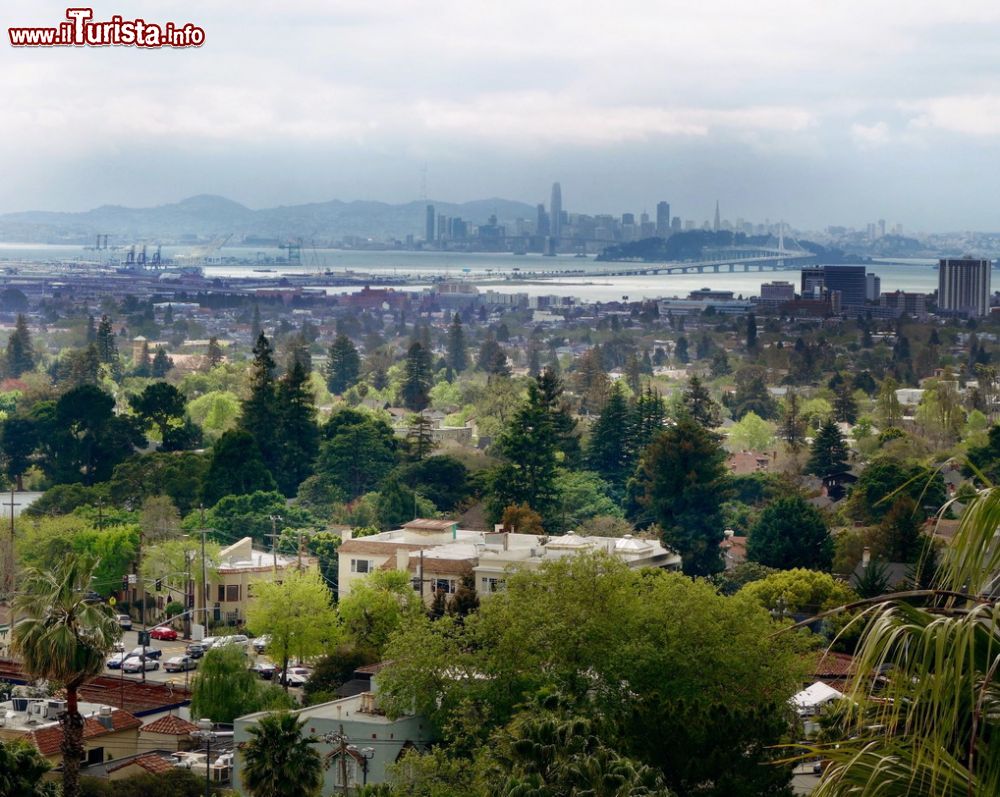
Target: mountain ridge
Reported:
[(209, 215)]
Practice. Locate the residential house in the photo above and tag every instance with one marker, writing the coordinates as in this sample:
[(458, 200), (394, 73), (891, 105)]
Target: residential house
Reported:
[(108, 732), (438, 554)]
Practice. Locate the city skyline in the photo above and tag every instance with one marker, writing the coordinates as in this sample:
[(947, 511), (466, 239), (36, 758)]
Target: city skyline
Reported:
[(839, 119)]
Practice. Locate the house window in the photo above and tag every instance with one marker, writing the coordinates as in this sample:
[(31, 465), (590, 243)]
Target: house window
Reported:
[(446, 585), (222, 592), (233, 593), (361, 566), (337, 766), (95, 755), (492, 584)]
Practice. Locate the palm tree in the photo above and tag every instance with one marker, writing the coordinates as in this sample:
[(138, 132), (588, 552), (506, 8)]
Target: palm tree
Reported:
[(65, 639), (927, 687), (279, 761)]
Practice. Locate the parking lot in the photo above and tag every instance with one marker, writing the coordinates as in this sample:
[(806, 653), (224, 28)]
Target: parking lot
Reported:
[(130, 639)]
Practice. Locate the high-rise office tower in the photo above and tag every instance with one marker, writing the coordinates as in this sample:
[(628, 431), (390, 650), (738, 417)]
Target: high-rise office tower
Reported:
[(964, 285), (542, 222), (429, 224), (555, 211), (718, 221), (663, 219)]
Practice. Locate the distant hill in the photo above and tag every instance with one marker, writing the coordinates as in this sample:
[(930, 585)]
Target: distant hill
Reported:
[(208, 216)]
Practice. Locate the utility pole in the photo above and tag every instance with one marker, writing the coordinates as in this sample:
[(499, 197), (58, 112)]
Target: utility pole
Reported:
[(300, 553), (204, 575), (11, 584), (188, 602), (342, 749), (141, 589)]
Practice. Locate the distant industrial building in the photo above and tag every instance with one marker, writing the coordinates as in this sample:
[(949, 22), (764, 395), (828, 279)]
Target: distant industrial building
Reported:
[(964, 286)]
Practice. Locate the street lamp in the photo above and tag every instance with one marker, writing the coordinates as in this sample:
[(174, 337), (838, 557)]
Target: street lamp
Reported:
[(367, 754), (206, 731)]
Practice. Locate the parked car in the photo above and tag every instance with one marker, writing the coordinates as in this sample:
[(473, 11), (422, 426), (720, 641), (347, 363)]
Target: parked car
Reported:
[(261, 643), (140, 663), (295, 676), (231, 639), (163, 632), (209, 641), (179, 664), (115, 661), (195, 650), (264, 669), (124, 621), (149, 653)]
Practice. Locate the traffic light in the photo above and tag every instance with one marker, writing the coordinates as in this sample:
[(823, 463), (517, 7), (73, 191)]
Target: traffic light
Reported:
[(125, 583), (159, 584)]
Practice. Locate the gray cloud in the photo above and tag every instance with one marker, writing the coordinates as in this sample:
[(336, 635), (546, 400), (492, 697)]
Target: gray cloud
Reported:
[(818, 113)]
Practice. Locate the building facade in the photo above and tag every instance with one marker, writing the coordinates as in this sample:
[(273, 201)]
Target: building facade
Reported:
[(964, 286)]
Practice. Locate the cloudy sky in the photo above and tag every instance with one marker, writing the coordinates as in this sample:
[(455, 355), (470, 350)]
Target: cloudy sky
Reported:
[(820, 112)]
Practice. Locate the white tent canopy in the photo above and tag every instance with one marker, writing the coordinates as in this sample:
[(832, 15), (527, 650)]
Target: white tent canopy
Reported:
[(815, 696)]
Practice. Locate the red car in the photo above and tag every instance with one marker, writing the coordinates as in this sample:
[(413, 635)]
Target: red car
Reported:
[(163, 633)]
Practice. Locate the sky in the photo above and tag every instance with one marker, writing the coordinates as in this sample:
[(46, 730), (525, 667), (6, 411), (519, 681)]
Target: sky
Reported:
[(816, 112)]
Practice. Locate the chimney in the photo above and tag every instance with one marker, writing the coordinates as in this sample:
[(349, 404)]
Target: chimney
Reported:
[(728, 532), (346, 534), (403, 560), (866, 557), (105, 718)]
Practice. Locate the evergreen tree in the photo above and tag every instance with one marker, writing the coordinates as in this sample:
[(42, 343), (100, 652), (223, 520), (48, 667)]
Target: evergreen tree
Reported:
[(260, 411), (344, 366), (417, 378), (492, 358), (680, 485), (752, 395), (297, 351), (161, 363), (633, 373), (751, 333), (609, 448), (107, 349), (649, 417), (563, 422), (237, 468), (791, 533), (91, 330), (528, 446), (845, 408), (420, 437), (458, 356), (298, 432), (20, 352), (214, 355), (700, 406), (899, 537), (703, 349), (534, 362), (793, 425), (887, 405), (829, 453), (720, 364), (83, 367), (681, 350), (591, 381)]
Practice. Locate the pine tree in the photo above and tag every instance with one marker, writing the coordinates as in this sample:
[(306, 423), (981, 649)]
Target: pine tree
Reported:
[(107, 349), (681, 485), (91, 330), (344, 365), (649, 419), (260, 410), (751, 333), (20, 354), (215, 355), (633, 373), (700, 406), (492, 358), (298, 432), (567, 440), (458, 356), (534, 362), (793, 426), (420, 436), (591, 381), (417, 379), (609, 451), (845, 408), (829, 453), (161, 363), (681, 350)]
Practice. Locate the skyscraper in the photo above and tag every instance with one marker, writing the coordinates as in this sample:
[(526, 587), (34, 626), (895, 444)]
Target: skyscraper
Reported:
[(555, 211), (964, 285), (718, 221), (542, 223), (429, 224), (663, 219)]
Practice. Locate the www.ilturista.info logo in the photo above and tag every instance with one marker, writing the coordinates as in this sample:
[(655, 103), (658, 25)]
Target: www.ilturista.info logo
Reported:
[(80, 30)]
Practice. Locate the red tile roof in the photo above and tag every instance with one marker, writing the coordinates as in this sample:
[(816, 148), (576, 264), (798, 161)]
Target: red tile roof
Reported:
[(170, 725), (49, 740), (150, 762)]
